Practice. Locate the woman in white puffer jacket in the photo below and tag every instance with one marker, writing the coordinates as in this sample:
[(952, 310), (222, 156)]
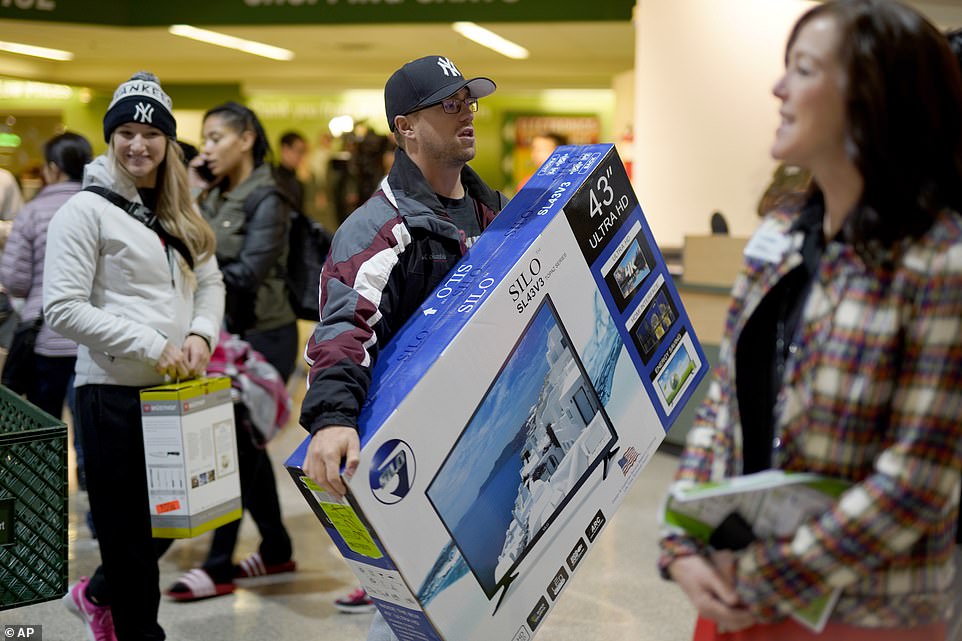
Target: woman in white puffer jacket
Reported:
[(144, 300)]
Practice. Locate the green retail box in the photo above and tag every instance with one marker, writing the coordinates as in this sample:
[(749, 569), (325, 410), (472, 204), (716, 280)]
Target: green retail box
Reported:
[(33, 503)]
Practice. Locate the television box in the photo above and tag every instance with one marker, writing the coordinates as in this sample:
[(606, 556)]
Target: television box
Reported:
[(508, 418), (191, 453)]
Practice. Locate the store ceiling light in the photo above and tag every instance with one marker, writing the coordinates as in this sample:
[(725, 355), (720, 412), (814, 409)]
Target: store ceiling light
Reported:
[(491, 40), (36, 52), (230, 42)]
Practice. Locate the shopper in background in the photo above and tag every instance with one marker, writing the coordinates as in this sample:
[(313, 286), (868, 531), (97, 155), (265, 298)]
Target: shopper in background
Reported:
[(320, 198), (843, 347), (144, 302), (31, 181), (252, 241), (293, 149), (11, 200), (251, 245), (366, 164), (21, 272), (542, 146), (718, 224), (430, 203)]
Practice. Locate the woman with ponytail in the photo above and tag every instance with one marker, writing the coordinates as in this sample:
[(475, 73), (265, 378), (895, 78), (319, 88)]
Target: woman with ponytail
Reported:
[(251, 220)]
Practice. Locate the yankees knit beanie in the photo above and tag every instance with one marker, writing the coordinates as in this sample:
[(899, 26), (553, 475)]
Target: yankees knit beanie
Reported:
[(142, 100)]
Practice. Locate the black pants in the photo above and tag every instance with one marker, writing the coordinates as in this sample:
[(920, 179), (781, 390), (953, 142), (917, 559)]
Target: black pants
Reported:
[(48, 390), (258, 485), (259, 497), (52, 385), (278, 346), (128, 578)]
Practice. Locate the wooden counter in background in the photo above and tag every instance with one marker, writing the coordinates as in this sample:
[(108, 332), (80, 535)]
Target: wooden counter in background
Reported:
[(709, 267), (713, 261)]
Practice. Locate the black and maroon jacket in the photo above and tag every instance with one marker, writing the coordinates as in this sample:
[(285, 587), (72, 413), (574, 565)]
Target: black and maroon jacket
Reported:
[(385, 260)]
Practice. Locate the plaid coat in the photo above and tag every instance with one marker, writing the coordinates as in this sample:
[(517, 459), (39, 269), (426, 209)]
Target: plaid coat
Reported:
[(872, 393)]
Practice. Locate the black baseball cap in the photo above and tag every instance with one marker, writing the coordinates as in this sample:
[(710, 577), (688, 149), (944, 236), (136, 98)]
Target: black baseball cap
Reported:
[(425, 82)]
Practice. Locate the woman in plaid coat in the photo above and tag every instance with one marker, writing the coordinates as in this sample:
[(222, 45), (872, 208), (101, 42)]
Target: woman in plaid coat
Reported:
[(842, 352)]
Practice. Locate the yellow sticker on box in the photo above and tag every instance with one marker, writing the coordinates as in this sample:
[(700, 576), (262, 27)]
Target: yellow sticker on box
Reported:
[(345, 521), (354, 533)]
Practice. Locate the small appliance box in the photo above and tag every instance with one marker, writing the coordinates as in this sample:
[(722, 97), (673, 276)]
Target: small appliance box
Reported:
[(509, 417), (191, 452)]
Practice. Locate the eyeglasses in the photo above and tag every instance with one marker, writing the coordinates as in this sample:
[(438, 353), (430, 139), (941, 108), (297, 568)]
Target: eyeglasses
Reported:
[(453, 105)]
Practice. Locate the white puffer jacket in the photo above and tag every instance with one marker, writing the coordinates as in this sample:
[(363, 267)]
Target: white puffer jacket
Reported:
[(113, 287)]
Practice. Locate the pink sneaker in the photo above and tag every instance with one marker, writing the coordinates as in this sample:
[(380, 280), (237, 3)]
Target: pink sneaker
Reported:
[(356, 602), (97, 619)]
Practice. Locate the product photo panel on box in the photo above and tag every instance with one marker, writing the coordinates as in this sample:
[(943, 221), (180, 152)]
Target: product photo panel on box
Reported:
[(191, 454), (509, 417)]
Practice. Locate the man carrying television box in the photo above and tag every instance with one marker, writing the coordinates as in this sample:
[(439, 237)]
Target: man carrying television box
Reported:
[(389, 255)]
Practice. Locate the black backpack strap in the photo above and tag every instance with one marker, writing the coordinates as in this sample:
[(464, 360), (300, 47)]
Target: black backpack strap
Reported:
[(145, 216), (255, 198)]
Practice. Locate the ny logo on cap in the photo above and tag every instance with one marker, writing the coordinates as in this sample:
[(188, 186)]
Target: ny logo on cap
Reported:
[(144, 112), (448, 67)]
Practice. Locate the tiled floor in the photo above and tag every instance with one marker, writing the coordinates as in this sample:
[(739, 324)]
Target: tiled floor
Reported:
[(616, 594)]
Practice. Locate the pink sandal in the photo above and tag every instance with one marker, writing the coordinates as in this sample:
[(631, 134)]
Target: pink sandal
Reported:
[(196, 585), (253, 566)]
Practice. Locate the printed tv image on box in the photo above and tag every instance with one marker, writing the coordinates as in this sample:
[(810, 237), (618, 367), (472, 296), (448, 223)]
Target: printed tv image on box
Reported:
[(676, 371), (630, 270), (654, 323), (536, 436)]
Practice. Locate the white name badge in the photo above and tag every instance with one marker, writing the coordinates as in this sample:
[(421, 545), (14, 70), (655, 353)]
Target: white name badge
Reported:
[(768, 245)]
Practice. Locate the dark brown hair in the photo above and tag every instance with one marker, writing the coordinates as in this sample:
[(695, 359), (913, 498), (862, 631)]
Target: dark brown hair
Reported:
[(241, 119), (70, 152), (904, 118)]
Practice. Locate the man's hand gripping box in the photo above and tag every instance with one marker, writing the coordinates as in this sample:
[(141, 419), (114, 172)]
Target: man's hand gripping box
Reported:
[(508, 418), (191, 452)]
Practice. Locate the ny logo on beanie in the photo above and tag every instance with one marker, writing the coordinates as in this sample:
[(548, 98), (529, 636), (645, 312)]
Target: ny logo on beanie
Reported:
[(143, 113), (142, 100)]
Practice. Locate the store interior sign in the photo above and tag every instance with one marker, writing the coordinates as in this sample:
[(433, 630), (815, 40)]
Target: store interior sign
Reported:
[(26, 89), (243, 12)]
